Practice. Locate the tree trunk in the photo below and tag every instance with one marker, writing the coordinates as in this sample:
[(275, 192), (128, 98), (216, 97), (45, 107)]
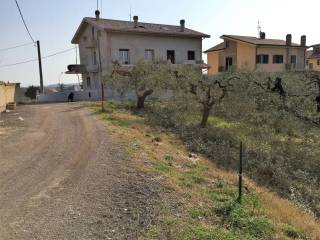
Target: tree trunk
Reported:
[(141, 99), (140, 102), (205, 116)]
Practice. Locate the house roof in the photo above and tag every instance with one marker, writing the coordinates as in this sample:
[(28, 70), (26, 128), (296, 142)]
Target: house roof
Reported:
[(254, 41), (217, 47), (143, 28), (259, 41), (310, 54)]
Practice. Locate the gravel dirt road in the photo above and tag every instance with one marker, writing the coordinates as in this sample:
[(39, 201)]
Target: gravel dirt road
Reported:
[(63, 177)]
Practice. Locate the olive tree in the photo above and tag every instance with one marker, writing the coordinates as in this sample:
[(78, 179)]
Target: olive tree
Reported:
[(291, 92), (207, 90), (144, 79)]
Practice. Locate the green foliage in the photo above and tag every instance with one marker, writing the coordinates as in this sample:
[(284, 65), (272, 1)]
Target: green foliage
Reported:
[(162, 167), (280, 133), (144, 79), (293, 233), (246, 217), (275, 115)]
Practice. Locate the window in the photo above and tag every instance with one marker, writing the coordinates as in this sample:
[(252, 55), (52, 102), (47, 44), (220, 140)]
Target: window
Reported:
[(318, 61), (191, 55), (277, 59), (94, 59), (293, 59), (124, 56), (262, 59), (149, 55), (307, 62), (171, 56), (227, 43), (228, 63), (88, 82)]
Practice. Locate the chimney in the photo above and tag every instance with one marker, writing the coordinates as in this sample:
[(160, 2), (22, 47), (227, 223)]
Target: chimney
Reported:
[(262, 35), (303, 42), (182, 25), (135, 19), (288, 39), (97, 13)]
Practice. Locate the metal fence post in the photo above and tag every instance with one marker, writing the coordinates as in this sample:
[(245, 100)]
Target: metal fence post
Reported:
[(240, 173)]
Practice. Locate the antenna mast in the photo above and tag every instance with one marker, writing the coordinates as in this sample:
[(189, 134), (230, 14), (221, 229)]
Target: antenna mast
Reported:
[(259, 28), (130, 13), (101, 7)]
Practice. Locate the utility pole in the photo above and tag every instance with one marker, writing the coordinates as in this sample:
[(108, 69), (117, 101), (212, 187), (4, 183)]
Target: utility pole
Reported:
[(100, 71), (40, 67)]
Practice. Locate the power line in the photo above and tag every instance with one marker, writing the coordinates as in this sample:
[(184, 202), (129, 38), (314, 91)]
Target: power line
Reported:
[(9, 48), (24, 22), (36, 59)]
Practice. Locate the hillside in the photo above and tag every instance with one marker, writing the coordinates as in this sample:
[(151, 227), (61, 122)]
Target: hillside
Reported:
[(201, 186)]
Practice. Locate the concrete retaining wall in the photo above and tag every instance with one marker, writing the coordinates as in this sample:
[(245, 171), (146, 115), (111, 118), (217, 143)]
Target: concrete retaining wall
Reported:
[(94, 95)]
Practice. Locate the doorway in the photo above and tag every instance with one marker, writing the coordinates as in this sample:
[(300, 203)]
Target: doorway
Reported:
[(171, 56), (228, 63)]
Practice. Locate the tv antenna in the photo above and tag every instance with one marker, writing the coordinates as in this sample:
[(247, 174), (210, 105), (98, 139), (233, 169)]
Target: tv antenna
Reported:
[(259, 28), (130, 13)]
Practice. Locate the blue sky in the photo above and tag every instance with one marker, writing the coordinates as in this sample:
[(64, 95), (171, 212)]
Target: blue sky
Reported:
[(54, 22)]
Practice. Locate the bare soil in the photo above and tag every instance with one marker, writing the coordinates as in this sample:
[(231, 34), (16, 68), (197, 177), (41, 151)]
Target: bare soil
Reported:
[(62, 176)]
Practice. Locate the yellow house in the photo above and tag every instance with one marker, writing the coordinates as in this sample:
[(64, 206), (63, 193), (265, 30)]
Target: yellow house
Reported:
[(313, 58), (7, 94), (268, 55)]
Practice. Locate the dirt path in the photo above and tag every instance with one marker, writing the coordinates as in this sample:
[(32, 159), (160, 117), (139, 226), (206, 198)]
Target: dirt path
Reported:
[(62, 177)]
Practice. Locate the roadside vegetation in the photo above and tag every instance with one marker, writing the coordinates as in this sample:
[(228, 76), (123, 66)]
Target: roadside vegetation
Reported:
[(275, 116), (200, 199)]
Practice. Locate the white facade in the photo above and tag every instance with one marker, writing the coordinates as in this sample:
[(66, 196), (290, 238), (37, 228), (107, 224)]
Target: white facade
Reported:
[(114, 46)]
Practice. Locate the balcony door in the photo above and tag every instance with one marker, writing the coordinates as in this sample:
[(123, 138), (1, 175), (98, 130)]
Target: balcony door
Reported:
[(228, 63), (171, 56)]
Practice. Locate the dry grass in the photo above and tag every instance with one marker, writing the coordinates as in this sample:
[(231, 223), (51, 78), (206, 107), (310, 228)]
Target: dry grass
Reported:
[(147, 153)]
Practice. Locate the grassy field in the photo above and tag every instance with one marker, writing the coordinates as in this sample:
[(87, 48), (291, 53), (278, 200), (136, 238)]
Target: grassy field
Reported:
[(200, 201)]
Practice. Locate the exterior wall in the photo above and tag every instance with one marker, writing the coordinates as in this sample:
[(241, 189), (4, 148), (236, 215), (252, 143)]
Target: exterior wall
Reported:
[(246, 56), (301, 56), (314, 62), (111, 42), (230, 51), (7, 95), (286, 52), (213, 62), (137, 44), (271, 67)]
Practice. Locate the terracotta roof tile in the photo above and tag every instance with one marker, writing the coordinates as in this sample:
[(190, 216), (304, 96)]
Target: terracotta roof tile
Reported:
[(258, 41), (127, 26), (217, 47)]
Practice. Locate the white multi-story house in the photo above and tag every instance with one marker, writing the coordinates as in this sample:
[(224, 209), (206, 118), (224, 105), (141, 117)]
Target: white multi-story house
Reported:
[(128, 42)]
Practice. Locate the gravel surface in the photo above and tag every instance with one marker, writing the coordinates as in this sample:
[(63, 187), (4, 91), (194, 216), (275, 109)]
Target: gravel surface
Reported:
[(62, 177)]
